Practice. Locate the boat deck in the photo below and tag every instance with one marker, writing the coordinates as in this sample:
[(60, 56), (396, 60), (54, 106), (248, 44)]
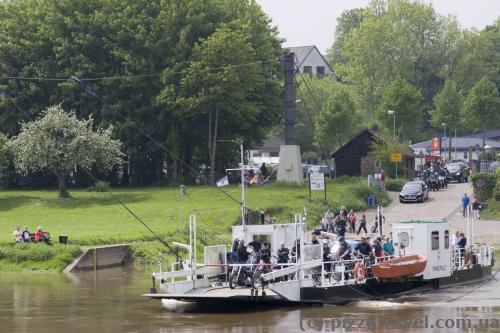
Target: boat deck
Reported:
[(225, 294)]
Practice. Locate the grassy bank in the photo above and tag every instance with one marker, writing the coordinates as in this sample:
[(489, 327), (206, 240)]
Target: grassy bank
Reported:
[(492, 212), (90, 218), (28, 257)]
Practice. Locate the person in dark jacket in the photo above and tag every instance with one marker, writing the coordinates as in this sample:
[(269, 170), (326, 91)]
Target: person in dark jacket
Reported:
[(265, 253), (362, 224), (242, 253), (363, 247), (283, 254), (326, 255), (296, 250)]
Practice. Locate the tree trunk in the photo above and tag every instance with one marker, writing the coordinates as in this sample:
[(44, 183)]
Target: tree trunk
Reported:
[(61, 183)]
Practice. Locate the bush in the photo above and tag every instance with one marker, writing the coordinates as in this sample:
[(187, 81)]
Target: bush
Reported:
[(487, 182), (394, 185)]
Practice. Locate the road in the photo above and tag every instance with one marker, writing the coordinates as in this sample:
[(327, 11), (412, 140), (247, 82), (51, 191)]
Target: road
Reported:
[(442, 204)]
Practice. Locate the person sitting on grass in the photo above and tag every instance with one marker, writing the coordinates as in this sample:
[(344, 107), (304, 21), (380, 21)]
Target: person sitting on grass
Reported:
[(42, 236), (18, 235), (26, 235)]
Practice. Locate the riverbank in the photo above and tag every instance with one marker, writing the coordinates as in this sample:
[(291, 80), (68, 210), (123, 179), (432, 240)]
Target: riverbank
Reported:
[(90, 218)]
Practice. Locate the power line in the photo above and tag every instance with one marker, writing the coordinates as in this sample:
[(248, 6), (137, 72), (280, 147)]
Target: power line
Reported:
[(114, 197), (137, 76)]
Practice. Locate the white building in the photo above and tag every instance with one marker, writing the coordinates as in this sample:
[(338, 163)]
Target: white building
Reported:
[(269, 153), (310, 61), (462, 148)]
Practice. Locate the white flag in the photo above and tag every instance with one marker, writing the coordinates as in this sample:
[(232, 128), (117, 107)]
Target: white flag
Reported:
[(222, 182)]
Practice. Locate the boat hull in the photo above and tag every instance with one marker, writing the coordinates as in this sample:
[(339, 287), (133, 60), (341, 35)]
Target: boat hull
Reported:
[(375, 289)]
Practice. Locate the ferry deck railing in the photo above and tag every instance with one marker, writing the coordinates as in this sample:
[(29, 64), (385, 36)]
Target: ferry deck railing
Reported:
[(464, 258)]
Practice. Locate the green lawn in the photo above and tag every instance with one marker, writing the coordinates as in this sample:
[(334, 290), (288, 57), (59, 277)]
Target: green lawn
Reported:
[(95, 218), (492, 212)]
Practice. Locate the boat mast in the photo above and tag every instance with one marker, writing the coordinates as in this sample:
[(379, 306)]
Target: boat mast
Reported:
[(242, 184)]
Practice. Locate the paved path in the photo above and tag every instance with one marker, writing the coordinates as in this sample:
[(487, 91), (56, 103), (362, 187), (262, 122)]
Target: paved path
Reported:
[(443, 204)]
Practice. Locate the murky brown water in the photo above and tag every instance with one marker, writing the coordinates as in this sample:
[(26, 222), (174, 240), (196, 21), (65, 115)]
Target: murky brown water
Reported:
[(110, 302)]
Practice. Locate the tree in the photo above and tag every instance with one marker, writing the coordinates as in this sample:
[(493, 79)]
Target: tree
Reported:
[(59, 142), (152, 44), (347, 21), (401, 97), (447, 105), (225, 102), (338, 121), (382, 147), (480, 111)]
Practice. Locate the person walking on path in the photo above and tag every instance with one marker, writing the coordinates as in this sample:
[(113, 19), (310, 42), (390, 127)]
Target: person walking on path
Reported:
[(362, 224), (465, 203), (476, 207)]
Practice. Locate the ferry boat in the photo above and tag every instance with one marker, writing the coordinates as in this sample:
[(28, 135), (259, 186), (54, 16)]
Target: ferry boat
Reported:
[(309, 279)]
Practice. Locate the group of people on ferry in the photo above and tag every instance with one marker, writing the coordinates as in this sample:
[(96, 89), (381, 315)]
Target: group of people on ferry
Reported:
[(344, 222)]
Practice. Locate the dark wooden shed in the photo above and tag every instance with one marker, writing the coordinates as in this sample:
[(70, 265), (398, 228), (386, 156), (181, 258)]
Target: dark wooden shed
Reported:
[(352, 158)]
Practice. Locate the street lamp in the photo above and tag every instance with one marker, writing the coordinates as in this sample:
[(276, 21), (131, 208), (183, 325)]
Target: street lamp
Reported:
[(393, 113), (444, 125)]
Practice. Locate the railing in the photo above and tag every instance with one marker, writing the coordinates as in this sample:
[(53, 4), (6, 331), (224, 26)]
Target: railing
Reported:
[(464, 258)]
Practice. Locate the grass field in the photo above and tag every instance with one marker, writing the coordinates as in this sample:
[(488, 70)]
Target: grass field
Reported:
[(492, 212), (95, 218)]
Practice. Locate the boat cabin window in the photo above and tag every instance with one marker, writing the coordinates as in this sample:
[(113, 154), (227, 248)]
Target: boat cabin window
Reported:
[(446, 239), (404, 240), (435, 240)]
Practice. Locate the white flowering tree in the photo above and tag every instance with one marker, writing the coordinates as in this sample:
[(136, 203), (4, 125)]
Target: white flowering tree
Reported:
[(58, 142)]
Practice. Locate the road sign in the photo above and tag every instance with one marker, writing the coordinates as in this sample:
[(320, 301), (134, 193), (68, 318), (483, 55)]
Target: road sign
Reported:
[(317, 181), (396, 157)]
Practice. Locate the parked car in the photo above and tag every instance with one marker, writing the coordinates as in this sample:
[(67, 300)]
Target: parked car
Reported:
[(458, 172), (414, 191)]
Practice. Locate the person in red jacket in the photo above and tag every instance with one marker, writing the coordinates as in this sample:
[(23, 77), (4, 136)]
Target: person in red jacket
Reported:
[(41, 236)]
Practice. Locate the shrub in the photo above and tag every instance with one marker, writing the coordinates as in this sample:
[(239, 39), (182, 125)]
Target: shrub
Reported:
[(487, 182), (394, 185)]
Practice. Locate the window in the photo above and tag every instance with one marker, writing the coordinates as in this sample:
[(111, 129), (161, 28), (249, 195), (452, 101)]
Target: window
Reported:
[(320, 70), (465, 154), (435, 240), (274, 154), (446, 239), (308, 70), (404, 239)]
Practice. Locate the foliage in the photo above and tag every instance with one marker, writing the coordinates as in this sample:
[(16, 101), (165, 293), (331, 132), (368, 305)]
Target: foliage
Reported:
[(401, 97), (326, 114), (381, 149), (231, 101), (486, 192), (406, 40), (153, 42), (394, 185), (480, 110), (447, 105), (311, 157), (59, 142), (339, 120), (39, 256), (348, 21)]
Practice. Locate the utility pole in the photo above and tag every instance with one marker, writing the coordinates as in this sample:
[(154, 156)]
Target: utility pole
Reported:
[(289, 73)]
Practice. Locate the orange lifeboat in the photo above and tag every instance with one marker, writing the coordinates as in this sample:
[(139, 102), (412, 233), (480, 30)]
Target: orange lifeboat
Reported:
[(400, 267)]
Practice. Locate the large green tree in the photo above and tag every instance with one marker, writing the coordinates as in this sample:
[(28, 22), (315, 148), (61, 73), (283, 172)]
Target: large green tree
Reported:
[(150, 42), (408, 40), (59, 143), (481, 107), (404, 99), (227, 101)]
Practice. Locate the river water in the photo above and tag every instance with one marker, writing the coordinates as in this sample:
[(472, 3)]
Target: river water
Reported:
[(110, 301)]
